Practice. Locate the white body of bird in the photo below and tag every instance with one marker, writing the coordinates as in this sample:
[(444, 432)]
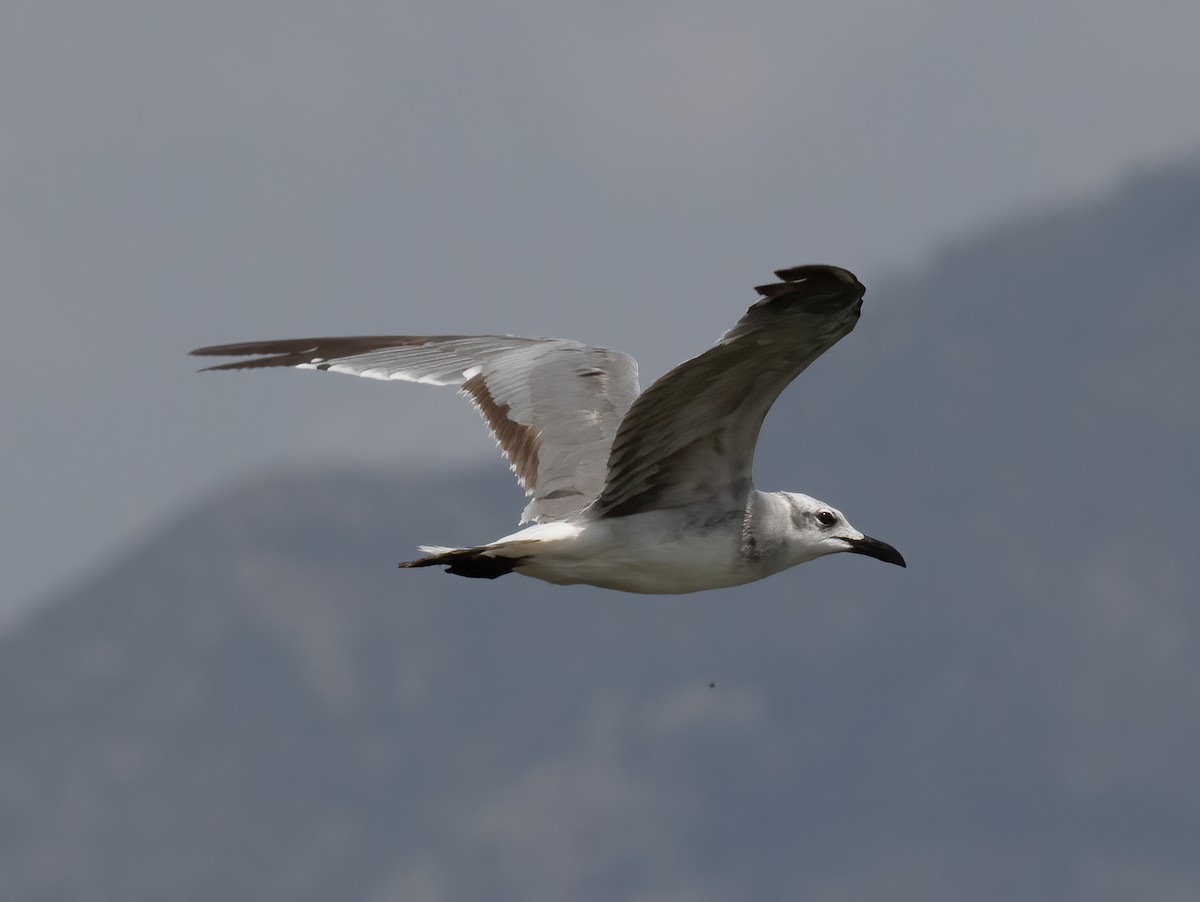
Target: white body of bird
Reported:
[(671, 551)]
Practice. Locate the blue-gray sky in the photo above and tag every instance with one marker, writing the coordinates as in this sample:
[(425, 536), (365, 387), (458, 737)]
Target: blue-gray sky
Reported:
[(175, 175)]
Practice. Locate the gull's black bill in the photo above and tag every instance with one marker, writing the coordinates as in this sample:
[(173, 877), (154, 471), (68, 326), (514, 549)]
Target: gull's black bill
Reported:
[(876, 549)]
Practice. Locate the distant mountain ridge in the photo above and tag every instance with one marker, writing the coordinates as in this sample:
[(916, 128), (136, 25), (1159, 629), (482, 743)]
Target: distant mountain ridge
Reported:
[(256, 704)]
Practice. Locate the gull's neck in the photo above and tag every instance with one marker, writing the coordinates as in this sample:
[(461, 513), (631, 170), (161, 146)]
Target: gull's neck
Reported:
[(770, 535)]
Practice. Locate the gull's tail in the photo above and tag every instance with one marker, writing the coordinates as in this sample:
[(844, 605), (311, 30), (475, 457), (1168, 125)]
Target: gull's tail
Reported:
[(482, 562)]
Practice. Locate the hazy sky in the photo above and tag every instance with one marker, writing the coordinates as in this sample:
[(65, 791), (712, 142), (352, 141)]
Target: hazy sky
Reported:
[(182, 174)]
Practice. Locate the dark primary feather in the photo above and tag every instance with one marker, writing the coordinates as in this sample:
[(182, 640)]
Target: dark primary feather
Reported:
[(300, 351), (692, 434)]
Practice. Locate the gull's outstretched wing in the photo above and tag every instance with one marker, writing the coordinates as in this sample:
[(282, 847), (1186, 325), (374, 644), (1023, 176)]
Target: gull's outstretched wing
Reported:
[(691, 435), (552, 405)]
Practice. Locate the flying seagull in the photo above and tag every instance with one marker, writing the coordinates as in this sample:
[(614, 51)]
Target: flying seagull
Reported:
[(636, 491)]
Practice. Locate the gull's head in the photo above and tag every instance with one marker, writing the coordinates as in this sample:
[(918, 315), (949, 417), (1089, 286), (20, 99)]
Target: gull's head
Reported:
[(819, 529)]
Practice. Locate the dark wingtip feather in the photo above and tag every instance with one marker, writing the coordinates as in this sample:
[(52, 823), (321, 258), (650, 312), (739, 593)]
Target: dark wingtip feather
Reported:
[(247, 348), (774, 289), (816, 271), (286, 352), (813, 277), (298, 351)]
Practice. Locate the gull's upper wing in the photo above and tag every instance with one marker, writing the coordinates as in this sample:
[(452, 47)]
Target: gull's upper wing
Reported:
[(552, 405), (691, 435)]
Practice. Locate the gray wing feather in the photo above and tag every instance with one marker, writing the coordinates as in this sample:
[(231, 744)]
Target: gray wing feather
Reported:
[(691, 435), (552, 405)]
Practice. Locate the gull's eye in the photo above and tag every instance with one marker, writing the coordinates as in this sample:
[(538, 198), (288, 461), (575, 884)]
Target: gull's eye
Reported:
[(826, 518)]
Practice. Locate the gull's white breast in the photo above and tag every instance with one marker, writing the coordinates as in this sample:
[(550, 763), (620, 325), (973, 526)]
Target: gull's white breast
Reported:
[(658, 552)]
